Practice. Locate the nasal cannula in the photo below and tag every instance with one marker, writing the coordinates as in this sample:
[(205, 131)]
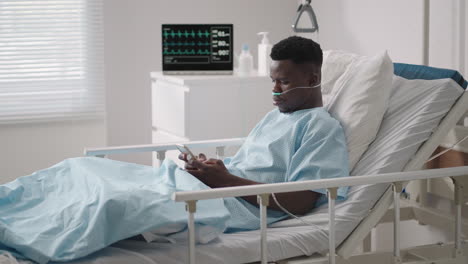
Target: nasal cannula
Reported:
[(300, 87)]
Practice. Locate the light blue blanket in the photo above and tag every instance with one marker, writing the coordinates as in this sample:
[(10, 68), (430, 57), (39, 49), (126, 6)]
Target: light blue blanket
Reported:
[(82, 205)]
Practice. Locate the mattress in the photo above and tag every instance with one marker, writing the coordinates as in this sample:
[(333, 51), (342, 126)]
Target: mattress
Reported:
[(415, 110)]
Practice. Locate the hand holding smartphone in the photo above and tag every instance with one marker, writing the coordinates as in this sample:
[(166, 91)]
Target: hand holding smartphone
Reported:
[(184, 149)]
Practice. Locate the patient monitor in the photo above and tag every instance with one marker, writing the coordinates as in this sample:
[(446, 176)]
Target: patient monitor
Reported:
[(197, 48)]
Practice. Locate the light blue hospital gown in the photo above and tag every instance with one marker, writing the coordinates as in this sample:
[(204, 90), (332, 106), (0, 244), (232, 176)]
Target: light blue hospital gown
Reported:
[(81, 205), (304, 145)]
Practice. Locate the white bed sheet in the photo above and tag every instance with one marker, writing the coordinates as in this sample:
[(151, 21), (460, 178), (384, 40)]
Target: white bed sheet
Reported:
[(416, 108)]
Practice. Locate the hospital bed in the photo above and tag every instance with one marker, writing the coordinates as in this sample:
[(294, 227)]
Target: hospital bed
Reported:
[(416, 120)]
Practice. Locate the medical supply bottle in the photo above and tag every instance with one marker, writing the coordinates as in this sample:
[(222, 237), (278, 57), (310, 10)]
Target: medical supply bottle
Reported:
[(245, 62), (264, 50)]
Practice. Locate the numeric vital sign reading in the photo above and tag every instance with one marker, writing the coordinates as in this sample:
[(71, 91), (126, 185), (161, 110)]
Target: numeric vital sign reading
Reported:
[(197, 47)]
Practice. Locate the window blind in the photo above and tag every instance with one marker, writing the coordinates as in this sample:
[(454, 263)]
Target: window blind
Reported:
[(51, 60)]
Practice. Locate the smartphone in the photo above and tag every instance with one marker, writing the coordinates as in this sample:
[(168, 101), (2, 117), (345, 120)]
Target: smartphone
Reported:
[(183, 148)]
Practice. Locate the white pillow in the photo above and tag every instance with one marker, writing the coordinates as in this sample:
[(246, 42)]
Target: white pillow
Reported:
[(356, 91)]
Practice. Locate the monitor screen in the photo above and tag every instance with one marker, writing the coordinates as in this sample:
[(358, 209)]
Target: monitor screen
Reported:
[(194, 48)]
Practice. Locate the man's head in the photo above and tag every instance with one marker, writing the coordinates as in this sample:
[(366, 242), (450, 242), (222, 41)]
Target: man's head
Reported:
[(296, 62)]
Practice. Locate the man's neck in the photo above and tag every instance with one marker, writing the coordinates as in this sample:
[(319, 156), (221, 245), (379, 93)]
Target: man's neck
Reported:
[(314, 102)]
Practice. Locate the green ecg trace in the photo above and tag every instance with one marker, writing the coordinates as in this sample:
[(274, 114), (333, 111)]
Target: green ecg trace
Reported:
[(186, 52), (186, 43), (186, 34)]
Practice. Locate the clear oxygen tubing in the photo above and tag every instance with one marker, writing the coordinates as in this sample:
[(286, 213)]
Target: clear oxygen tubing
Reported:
[(447, 150), (300, 87), (316, 227)]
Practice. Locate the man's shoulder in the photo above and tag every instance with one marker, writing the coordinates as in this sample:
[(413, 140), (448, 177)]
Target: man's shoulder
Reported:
[(273, 114), (312, 116), (319, 114), (321, 119)]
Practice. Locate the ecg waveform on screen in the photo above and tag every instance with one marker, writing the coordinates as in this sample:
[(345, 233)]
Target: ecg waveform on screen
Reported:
[(186, 52), (186, 34), (196, 44)]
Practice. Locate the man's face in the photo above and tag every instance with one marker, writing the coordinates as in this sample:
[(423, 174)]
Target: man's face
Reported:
[(287, 75)]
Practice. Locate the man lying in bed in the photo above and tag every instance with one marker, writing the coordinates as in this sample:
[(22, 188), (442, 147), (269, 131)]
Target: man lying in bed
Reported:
[(82, 205), (297, 141)]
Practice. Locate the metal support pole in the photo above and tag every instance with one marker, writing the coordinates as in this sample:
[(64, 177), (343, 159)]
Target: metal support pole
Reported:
[(458, 220), (423, 192), (397, 189), (220, 152), (426, 19), (191, 207), (263, 200), (367, 243), (332, 194), (160, 155)]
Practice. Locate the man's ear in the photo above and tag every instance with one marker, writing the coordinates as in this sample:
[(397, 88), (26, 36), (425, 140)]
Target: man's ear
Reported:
[(319, 76), (315, 77)]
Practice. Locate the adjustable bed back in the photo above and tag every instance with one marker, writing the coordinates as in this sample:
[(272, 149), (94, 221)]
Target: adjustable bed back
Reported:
[(411, 72)]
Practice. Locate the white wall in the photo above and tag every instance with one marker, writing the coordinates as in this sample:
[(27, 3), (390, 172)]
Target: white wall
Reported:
[(26, 148), (367, 27), (133, 50), (448, 39)]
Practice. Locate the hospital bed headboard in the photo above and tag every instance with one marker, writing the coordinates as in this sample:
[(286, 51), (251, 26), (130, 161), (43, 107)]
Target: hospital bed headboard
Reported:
[(411, 72)]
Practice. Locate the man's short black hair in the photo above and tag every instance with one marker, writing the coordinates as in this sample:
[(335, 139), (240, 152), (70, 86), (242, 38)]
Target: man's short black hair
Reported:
[(299, 50)]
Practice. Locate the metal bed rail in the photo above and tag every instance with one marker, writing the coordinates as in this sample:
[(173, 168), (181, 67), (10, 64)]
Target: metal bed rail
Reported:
[(264, 190), (160, 149)]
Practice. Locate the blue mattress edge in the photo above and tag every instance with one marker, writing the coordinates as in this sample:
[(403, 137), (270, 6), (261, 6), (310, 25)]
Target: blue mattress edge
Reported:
[(412, 71)]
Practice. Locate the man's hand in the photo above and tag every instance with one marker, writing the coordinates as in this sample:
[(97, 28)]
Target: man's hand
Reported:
[(184, 156), (211, 172)]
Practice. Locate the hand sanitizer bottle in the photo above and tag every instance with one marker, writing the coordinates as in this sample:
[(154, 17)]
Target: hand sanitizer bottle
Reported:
[(245, 62), (264, 59)]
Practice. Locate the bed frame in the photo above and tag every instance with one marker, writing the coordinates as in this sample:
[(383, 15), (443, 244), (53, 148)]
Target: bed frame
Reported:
[(455, 253)]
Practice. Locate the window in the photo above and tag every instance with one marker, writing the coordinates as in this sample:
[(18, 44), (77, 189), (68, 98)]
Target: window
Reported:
[(51, 60)]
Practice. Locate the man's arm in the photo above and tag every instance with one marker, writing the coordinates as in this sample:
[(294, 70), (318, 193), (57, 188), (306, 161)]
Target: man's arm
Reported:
[(214, 174)]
